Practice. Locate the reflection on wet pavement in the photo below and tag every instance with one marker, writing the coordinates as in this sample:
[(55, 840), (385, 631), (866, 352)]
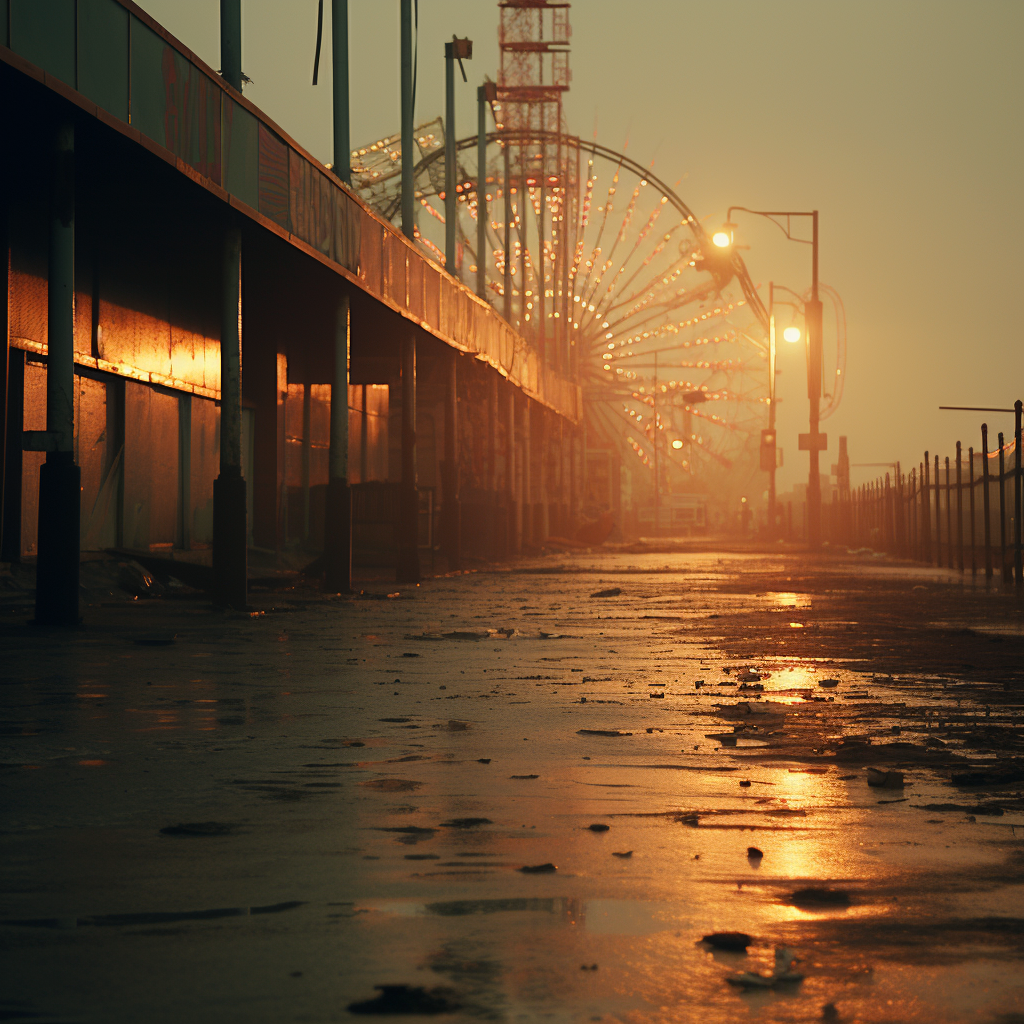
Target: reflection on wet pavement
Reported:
[(346, 815)]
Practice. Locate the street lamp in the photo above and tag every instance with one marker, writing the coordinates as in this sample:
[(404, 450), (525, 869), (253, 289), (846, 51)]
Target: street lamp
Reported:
[(791, 334), (812, 442)]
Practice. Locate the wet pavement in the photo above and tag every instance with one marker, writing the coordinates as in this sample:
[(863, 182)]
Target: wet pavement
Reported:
[(231, 817)]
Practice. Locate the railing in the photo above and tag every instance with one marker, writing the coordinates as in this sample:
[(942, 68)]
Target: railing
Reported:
[(962, 514)]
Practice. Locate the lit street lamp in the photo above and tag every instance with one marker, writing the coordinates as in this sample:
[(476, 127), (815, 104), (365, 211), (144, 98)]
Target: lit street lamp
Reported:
[(812, 442)]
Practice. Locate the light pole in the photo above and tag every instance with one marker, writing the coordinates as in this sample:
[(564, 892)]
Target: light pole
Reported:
[(457, 50), (812, 442)]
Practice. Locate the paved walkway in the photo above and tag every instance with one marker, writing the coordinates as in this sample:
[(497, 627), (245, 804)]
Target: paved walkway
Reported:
[(262, 817)]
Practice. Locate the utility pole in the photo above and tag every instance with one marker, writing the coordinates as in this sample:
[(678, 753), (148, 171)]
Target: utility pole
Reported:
[(813, 319)]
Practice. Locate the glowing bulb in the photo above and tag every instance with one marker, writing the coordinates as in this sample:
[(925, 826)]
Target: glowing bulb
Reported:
[(791, 334), (677, 444), (721, 239)]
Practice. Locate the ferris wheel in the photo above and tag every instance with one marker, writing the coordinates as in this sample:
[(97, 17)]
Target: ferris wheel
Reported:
[(604, 268)]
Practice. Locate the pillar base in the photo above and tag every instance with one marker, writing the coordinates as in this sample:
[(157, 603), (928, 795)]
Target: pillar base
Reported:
[(338, 537), (60, 511), (229, 540)]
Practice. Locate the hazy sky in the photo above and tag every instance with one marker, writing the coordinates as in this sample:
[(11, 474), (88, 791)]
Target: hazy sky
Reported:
[(900, 120)]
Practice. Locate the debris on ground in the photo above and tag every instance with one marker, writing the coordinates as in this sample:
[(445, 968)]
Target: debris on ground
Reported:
[(819, 897), (783, 974), (885, 779), (602, 732), (599, 828), (610, 592), (731, 942), (627, 853), (538, 869), (406, 999), (466, 822)]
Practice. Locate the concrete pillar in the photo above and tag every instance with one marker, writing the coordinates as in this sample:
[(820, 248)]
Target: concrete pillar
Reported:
[(452, 511), (408, 567), (338, 518), (511, 488), (229, 512), (60, 491)]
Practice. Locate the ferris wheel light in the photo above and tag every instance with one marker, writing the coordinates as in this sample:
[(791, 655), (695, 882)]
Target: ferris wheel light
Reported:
[(721, 239), (791, 334), (677, 444)]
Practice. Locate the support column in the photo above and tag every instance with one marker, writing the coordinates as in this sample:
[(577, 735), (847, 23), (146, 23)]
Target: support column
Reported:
[(493, 535), (408, 567), (338, 518), (60, 480), (10, 542), (450, 468), (542, 527), (512, 502), (229, 512), (527, 497)]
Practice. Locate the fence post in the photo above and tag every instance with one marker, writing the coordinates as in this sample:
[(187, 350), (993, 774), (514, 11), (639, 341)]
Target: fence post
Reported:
[(959, 508), (926, 512), (911, 517), (970, 493), (1002, 509), (986, 500), (1018, 580), (938, 514), (949, 521)]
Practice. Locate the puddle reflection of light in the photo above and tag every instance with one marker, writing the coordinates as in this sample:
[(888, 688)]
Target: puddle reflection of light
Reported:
[(785, 599)]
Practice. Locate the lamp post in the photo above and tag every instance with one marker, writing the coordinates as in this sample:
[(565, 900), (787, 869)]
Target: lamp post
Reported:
[(769, 437), (812, 442)]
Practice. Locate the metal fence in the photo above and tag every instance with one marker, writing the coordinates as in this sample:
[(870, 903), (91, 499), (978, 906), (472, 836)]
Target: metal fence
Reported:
[(962, 513)]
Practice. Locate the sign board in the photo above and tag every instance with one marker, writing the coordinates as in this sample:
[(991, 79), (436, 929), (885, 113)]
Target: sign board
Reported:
[(806, 446)]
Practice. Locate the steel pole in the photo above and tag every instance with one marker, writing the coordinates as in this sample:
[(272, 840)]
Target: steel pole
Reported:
[(986, 501), (408, 160), (229, 496), (450, 160), (231, 42), (1002, 509), (450, 469), (408, 567), (814, 328), (60, 501), (339, 59), (507, 276), (338, 518), (481, 192)]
